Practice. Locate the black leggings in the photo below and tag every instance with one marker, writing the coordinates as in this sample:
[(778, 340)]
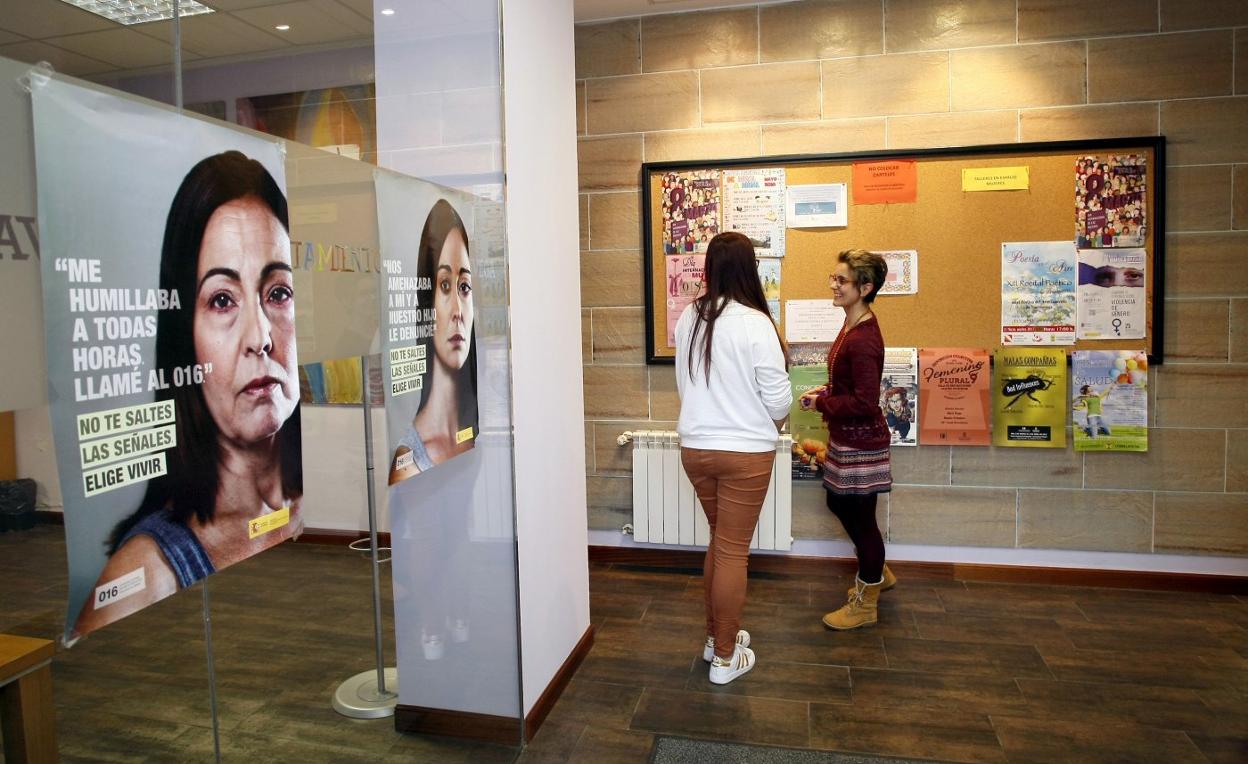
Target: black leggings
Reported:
[(857, 514)]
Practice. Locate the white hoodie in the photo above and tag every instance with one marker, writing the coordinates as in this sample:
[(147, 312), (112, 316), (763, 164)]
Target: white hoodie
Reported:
[(748, 389)]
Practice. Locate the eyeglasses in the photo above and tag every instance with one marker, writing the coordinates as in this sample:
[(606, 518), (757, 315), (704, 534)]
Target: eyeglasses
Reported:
[(840, 281)]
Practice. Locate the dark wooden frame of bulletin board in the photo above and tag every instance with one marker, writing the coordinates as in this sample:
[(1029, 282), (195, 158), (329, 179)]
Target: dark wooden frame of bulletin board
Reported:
[(948, 291)]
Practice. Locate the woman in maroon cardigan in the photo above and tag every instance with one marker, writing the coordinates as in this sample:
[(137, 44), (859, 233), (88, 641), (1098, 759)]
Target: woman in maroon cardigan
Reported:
[(856, 467)]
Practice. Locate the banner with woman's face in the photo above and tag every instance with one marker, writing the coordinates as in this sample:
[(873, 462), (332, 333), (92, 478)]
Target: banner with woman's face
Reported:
[(428, 319), (170, 327)]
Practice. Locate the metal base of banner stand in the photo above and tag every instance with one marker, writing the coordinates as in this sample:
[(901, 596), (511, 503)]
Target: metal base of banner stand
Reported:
[(359, 698)]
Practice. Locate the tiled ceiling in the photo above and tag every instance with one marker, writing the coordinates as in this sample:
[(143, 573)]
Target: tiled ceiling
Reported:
[(82, 44)]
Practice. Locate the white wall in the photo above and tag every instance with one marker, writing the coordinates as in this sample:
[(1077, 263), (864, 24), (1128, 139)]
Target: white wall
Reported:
[(544, 271)]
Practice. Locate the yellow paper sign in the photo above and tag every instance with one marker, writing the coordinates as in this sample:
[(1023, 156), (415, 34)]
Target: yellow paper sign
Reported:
[(996, 179), (463, 435), (270, 522)]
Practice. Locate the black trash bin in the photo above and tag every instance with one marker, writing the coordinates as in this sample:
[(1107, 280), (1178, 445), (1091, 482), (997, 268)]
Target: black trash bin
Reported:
[(17, 505)]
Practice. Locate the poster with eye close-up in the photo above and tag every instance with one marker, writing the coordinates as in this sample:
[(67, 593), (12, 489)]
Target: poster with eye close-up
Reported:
[(428, 351), (170, 328)]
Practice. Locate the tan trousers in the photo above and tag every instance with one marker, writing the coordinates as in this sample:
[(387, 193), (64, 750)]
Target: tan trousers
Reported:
[(731, 487)]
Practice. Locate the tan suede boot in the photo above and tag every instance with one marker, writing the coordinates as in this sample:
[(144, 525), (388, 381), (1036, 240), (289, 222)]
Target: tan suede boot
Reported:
[(859, 611), (889, 582)]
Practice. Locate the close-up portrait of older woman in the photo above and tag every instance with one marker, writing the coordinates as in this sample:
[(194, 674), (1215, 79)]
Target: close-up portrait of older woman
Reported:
[(234, 479), (445, 423)]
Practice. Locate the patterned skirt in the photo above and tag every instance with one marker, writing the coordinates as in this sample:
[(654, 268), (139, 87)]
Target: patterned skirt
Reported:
[(850, 471)]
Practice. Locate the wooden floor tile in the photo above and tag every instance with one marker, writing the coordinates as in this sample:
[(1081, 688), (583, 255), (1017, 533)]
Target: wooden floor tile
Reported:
[(1153, 667), (968, 658), (913, 689), (597, 704), (914, 733), (724, 717), (1064, 740), (1173, 708), (604, 746), (992, 630)]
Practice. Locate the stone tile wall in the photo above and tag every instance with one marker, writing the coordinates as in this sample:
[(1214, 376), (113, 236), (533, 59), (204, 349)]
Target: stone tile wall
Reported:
[(856, 75)]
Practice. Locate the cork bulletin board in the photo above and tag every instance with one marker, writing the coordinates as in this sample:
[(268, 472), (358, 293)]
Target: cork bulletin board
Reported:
[(957, 235)]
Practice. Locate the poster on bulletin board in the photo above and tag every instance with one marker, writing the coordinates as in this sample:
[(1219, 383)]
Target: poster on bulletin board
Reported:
[(1029, 398)]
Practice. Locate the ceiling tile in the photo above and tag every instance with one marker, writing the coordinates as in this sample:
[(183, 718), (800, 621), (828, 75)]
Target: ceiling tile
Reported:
[(235, 5), (48, 18), (123, 48), (33, 51), (363, 7), (7, 37), (217, 34), (311, 21)]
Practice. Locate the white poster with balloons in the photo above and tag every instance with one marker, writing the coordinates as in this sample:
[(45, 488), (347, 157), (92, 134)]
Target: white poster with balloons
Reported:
[(1109, 400)]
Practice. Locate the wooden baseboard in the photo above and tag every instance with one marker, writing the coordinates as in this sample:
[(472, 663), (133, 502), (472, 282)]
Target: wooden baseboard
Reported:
[(330, 537), (487, 728), (685, 559), (49, 517), (533, 721)]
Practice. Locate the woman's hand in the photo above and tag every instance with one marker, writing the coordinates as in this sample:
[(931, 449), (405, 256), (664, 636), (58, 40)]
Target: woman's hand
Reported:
[(807, 401)]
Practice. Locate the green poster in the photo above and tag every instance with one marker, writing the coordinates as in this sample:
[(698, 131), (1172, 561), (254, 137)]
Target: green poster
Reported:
[(1029, 398), (808, 369)]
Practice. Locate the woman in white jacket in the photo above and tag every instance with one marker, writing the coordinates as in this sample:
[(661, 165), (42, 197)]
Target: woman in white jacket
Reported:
[(731, 372)]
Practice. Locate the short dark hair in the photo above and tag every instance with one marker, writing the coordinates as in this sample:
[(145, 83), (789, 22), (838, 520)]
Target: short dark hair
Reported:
[(442, 220), (868, 268), (190, 485)]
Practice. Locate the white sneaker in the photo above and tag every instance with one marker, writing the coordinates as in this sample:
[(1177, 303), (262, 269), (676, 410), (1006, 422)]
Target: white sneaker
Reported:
[(459, 630), (708, 650), (432, 646), (724, 671)]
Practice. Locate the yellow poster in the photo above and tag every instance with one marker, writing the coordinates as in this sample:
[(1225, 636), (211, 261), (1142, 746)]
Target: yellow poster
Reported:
[(996, 179), (1029, 398)]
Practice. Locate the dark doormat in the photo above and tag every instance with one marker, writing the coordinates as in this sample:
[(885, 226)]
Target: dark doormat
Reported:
[(682, 750)]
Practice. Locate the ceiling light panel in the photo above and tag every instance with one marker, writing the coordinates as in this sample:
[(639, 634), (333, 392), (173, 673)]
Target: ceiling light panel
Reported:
[(139, 11)]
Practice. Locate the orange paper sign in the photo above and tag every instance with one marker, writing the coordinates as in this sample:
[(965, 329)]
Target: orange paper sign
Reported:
[(886, 182)]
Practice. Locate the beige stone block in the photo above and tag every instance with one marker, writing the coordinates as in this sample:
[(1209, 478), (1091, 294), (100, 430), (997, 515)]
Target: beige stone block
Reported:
[(1040, 20), (908, 83), (699, 40), (1046, 74), (838, 136), (923, 465), (616, 392), (666, 101), (583, 220), (813, 520), (936, 130), (1070, 123), (604, 491), (1239, 203), (1202, 523), (664, 399), (619, 336), (1157, 67), (1205, 130), (709, 143), (1017, 467), (580, 107), (587, 333), (1178, 15), (762, 93), (1206, 264), (607, 164), (1176, 460), (610, 279), (611, 458), (604, 50), (1202, 395), (609, 518), (1102, 521), (820, 29), (941, 24), (614, 221), (1198, 198), (1197, 330), (952, 516), (589, 448), (1239, 331), (1237, 461)]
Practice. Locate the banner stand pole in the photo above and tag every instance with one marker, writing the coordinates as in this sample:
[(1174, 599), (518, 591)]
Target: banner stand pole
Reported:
[(365, 695), (212, 676)]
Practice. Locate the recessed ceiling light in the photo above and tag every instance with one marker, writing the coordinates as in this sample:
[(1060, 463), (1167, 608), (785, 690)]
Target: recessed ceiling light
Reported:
[(129, 12), (282, 27), (387, 11)]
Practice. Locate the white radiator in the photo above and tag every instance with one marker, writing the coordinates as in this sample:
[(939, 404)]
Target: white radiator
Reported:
[(666, 510)]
